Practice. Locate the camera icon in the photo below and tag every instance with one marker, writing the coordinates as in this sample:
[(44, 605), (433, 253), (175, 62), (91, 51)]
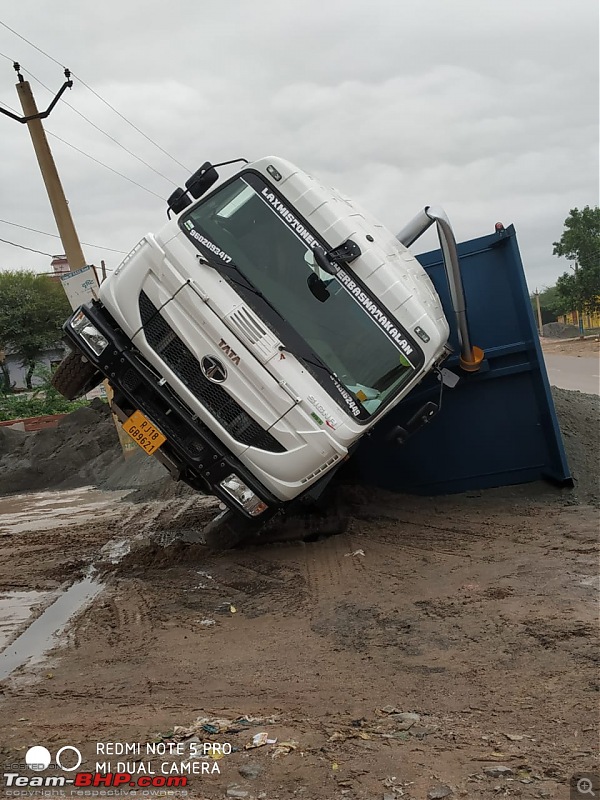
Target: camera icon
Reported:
[(584, 785)]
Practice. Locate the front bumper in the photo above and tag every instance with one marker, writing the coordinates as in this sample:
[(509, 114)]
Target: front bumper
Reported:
[(191, 453)]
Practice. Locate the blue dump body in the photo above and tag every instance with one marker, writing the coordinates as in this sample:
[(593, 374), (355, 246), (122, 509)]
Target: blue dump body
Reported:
[(496, 427)]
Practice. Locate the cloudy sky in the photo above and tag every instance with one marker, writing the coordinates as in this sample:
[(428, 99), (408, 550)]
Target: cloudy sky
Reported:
[(488, 109)]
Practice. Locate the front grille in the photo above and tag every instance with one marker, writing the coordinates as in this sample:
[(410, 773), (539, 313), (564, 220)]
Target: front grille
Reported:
[(165, 342)]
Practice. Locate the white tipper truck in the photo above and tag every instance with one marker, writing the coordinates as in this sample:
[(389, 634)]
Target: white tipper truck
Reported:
[(265, 329)]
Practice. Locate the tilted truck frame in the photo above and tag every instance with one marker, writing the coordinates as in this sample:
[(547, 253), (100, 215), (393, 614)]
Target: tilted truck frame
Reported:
[(263, 332)]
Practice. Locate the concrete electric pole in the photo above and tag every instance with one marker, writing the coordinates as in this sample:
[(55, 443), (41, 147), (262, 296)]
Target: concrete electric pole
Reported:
[(64, 221), (539, 313), (60, 208)]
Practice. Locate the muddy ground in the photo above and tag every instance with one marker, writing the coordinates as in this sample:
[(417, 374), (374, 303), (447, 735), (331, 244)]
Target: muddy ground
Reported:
[(441, 647), (583, 348)]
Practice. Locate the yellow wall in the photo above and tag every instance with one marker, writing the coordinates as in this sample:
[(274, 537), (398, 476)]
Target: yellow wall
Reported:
[(589, 320)]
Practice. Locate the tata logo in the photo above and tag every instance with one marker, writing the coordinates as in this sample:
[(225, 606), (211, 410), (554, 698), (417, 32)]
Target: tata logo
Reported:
[(213, 369), (229, 352)]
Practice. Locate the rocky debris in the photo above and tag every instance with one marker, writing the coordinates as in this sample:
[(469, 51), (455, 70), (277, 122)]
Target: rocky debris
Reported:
[(499, 771), (84, 450), (251, 771), (236, 791), (439, 792), (405, 720), (557, 330)]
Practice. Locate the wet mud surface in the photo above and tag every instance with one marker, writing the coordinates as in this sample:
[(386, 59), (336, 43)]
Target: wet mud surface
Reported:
[(444, 646), (434, 640)]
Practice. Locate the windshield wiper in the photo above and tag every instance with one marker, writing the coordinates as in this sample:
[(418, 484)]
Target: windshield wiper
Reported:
[(219, 265)]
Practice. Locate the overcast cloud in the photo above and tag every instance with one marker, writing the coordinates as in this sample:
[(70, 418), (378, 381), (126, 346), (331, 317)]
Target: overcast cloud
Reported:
[(488, 109)]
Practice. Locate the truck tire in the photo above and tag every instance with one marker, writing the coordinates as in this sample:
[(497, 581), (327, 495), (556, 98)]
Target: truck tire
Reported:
[(226, 531), (75, 376)]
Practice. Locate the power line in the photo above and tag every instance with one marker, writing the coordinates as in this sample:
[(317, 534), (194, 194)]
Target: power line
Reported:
[(89, 88), (41, 252), (135, 127), (22, 246), (112, 138), (56, 236), (102, 164), (39, 49)]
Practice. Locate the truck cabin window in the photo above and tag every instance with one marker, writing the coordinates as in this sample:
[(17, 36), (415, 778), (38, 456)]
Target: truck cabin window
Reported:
[(275, 255)]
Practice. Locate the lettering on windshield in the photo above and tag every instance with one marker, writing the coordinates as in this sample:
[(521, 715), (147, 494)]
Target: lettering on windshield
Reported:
[(211, 246), (357, 411), (380, 317), (389, 326), (287, 215)]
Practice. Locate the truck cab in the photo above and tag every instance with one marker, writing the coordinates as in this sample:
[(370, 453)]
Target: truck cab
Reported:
[(260, 334)]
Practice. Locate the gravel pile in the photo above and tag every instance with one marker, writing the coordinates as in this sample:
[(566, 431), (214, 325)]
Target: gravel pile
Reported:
[(556, 330), (579, 419), (84, 450), (80, 451)]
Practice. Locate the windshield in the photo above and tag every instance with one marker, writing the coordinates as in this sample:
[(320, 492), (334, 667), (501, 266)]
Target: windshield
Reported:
[(248, 226)]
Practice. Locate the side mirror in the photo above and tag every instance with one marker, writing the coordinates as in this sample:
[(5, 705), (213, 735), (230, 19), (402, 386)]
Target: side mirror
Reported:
[(178, 200), (201, 181), (323, 262), (317, 287)]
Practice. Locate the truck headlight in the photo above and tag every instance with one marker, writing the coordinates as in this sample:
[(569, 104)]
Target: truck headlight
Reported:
[(90, 335), (243, 495)]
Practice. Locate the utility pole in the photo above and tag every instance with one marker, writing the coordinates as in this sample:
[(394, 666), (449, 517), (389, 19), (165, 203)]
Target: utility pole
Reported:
[(62, 214), (579, 311), (58, 201), (539, 312)]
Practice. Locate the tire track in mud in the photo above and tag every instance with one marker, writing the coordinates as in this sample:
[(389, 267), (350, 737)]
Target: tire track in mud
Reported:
[(263, 580), (324, 569), (120, 620)]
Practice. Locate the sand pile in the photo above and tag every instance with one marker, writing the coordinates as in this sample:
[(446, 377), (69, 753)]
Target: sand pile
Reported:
[(84, 450), (80, 451), (579, 419)]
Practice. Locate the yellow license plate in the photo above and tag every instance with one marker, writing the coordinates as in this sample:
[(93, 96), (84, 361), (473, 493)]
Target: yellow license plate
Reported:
[(144, 432)]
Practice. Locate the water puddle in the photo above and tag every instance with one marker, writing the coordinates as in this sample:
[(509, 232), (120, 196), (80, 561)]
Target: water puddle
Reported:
[(30, 647), (43, 616), (16, 608), (49, 510)]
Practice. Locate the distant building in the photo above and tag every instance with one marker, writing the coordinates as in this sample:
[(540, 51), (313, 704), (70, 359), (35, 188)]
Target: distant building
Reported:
[(60, 266), (50, 358), (588, 321)]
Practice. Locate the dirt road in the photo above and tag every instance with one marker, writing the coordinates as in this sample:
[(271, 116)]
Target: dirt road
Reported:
[(573, 364), (571, 372), (584, 348), (446, 642)]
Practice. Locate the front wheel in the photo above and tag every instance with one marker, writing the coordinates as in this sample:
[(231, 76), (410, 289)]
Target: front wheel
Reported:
[(227, 530), (75, 376)]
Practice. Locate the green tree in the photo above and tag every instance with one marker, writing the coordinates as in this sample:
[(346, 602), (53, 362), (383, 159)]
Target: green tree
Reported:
[(32, 310), (551, 303), (580, 242)]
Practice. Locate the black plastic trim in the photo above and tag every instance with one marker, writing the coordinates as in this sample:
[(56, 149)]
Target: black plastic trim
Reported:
[(202, 458)]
